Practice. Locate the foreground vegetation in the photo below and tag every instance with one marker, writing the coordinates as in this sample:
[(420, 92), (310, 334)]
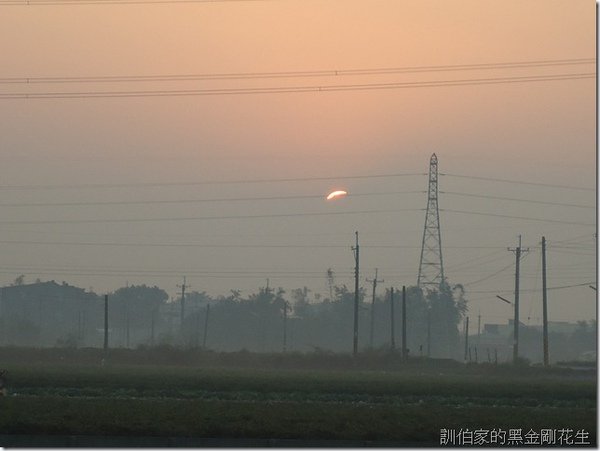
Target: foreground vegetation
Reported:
[(372, 398), (299, 420)]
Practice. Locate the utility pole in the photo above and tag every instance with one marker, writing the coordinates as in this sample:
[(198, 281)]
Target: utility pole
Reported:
[(544, 302), (393, 338), (374, 281), (183, 287), (356, 275), (428, 332), (517, 252), (330, 282), (404, 347), (197, 330), (105, 324), (83, 325), (285, 307), (479, 328), (466, 338), (152, 326), (206, 326), (126, 325)]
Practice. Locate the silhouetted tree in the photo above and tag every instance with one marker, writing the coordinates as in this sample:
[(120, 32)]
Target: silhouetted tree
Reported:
[(447, 307)]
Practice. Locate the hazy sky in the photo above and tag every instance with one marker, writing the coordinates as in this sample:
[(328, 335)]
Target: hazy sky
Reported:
[(536, 131)]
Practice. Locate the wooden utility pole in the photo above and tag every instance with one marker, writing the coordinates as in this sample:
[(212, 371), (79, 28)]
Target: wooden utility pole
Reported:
[(517, 252), (466, 338), (79, 325), (152, 326), (404, 347), (197, 330), (392, 338), (544, 303), (330, 282), (105, 323), (285, 307), (479, 328), (206, 326), (356, 275), (127, 326), (428, 332), (374, 281), (183, 287)]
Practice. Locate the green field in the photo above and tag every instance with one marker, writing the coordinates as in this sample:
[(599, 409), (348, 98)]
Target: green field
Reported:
[(406, 405)]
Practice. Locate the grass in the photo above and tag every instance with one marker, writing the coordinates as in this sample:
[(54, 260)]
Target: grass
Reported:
[(299, 420), (184, 382), (409, 404)]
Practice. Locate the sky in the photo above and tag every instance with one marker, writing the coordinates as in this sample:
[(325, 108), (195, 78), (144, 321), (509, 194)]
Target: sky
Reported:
[(185, 176)]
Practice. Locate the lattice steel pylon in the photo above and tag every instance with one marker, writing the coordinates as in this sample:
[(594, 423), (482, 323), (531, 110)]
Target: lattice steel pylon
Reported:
[(431, 266)]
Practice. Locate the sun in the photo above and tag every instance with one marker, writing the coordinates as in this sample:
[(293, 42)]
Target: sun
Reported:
[(336, 194)]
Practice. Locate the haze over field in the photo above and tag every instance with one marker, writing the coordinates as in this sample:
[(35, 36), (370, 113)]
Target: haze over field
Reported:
[(92, 187)]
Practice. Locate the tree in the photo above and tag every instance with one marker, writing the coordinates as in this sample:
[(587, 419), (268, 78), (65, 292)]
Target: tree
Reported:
[(301, 302), (447, 307), (135, 310)]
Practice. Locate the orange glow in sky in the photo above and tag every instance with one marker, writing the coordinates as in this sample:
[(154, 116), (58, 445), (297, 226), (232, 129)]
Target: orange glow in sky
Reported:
[(232, 115)]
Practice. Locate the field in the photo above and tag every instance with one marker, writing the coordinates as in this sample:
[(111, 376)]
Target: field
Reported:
[(370, 402)]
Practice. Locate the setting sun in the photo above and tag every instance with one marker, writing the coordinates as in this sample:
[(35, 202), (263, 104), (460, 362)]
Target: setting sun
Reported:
[(336, 194)]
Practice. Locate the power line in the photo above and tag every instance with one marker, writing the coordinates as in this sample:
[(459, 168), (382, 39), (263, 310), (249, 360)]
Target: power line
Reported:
[(510, 265), (186, 245), (245, 199), (584, 237), (492, 179), (203, 218), (292, 74), (525, 218), (205, 182), (277, 215), (283, 180), (573, 252), (112, 2), (213, 245), (173, 271), (133, 273), (187, 201), (517, 200), (537, 289), (295, 89), (469, 262)]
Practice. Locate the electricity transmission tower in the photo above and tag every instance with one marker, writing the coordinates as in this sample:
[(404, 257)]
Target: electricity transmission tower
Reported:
[(431, 267)]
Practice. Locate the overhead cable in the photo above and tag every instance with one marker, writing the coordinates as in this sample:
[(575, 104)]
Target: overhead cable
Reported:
[(521, 182), (203, 182), (295, 89), (293, 74)]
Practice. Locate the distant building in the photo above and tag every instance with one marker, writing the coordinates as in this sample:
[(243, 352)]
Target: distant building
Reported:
[(499, 338), (46, 314)]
